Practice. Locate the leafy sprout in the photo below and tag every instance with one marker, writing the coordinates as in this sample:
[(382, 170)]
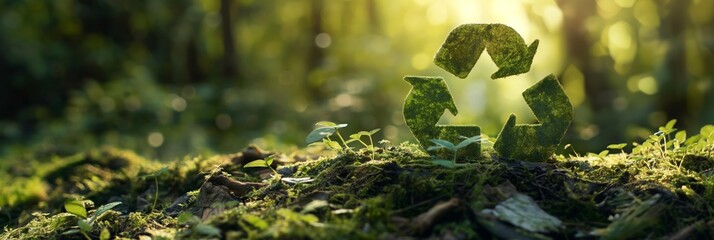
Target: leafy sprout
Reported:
[(658, 143), (572, 149), (323, 132), (86, 222), (618, 146), (385, 142), (443, 144), (663, 148), (326, 129), (357, 137), (262, 163), (267, 162), (156, 175)]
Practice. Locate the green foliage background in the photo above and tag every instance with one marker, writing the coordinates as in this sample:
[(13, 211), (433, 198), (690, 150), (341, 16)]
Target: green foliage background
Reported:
[(167, 78)]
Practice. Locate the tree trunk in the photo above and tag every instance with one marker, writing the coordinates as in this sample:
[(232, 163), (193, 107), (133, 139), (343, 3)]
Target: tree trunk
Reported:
[(373, 16), (674, 78), (596, 72), (578, 44), (230, 62), (316, 54)]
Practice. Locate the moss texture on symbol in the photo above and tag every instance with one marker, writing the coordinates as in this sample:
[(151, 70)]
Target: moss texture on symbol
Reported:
[(424, 105), (430, 96), (536, 142), (464, 46)]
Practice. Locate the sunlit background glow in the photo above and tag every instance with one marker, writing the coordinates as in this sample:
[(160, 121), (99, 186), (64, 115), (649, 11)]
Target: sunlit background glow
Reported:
[(167, 78)]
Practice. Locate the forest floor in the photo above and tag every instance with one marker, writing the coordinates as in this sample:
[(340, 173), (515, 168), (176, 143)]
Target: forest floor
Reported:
[(663, 188)]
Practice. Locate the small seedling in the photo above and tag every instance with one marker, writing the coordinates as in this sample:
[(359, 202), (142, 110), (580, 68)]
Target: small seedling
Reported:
[(385, 143), (571, 148), (357, 137), (269, 161), (86, 223), (443, 144), (262, 163), (156, 175), (326, 129), (619, 146), (659, 143), (323, 132)]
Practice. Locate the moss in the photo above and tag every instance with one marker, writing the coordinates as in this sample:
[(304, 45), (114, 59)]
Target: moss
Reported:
[(537, 142), (423, 107), (42, 226), (364, 198), (464, 46)]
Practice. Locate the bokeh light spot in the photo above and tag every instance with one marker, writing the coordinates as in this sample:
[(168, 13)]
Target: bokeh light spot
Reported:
[(645, 12), (420, 61), (390, 132), (620, 44), (619, 35), (178, 104), (343, 100), (553, 18), (589, 132), (574, 84), (647, 85), (620, 103), (223, 121), (607, 9), (625, 3), (155, 139), (188, 92), (323, 40)]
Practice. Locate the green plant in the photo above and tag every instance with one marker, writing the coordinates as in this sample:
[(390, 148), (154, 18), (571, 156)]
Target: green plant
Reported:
[(663, 148), (86, 223), (443, 144), (326, 129), (618, 146), (385, 143), (156, 175), (358, 138), (262, 163), (323, 132), (700, 144), (602, 154), (575, 153), (657, 148), (267, 162)]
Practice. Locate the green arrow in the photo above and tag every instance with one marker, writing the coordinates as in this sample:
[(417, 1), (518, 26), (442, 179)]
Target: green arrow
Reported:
[(424, 105), (536, 142), (464, 46)]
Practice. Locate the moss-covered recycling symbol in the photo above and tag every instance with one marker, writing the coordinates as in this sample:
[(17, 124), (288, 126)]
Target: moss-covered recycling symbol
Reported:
[(430, 96)]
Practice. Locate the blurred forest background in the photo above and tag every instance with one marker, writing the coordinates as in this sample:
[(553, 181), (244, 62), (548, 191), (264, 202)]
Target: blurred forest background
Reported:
[(173, 77)]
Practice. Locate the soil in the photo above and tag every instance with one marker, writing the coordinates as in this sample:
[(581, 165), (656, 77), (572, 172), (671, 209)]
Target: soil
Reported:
[(394, 193)]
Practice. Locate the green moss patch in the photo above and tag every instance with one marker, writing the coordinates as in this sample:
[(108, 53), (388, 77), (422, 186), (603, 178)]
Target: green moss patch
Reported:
[(658, 190)]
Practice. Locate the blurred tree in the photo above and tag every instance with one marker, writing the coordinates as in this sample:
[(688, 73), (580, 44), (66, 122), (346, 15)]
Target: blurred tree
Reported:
[(230, 63), (579, 42), (373, 14), (315, 58), (673, 72)]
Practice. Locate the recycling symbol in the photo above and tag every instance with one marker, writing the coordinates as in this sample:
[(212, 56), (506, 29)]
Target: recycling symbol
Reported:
[(430, 96)]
